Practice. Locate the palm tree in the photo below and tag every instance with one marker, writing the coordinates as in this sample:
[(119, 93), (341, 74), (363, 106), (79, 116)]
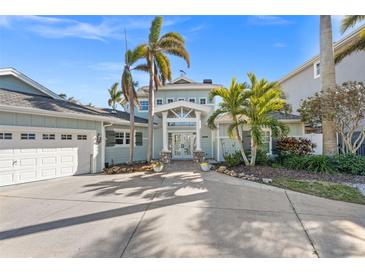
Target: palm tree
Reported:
[(359, 43), (262, 99), (129, 94), (158, 65), (328, 81), (115, 96), (232, 104)]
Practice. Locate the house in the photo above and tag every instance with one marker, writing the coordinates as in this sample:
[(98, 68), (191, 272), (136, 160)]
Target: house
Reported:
[(304, 81), (43, 136)]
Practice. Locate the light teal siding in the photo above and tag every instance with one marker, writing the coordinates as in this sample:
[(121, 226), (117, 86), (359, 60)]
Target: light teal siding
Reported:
[(30, 120), (12, 83), (118, 154)]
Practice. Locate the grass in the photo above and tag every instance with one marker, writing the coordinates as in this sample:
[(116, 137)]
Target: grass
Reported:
[(323, 189)]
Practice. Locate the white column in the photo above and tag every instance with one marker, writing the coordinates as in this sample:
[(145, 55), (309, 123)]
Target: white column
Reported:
[(164, 131), (198, 135)]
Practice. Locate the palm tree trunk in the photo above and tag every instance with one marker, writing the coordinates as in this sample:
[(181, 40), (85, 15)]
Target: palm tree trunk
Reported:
[(151, 96), (245, 160), (132, 129), (328, 81), (253, 153)]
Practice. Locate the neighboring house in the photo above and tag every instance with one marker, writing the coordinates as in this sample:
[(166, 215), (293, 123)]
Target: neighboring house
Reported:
[(182, 108), (304, 81), (43, 136)]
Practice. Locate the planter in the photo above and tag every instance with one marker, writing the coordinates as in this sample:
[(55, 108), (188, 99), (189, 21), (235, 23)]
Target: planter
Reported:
[(158, 168), (205, 167)]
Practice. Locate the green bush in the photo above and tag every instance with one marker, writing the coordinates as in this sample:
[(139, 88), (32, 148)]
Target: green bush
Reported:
[(350, 163), (261, 157), (315, 163), (233, 159)]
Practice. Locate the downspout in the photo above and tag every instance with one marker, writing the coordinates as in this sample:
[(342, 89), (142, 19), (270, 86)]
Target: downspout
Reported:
[(103, 143)]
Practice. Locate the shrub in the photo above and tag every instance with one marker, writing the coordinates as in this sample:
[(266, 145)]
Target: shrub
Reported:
[(350, 163), (261, 157), (294, 146), (233, 159), (315, 163)]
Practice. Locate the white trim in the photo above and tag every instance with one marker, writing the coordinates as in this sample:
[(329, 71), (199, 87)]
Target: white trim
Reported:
[(218, 143), (22, 77), (26, 110), (167, 100), (315, 75), (186, 104), (178, 120), (206, 100), (159, 99), (182, 77)]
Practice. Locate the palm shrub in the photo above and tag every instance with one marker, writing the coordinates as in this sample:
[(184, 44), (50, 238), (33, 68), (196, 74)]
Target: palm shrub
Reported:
[(233, 159), (115, 96), (350, 163)]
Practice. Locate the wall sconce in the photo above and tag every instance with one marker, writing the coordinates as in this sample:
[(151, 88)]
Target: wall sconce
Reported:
[(98, 138)]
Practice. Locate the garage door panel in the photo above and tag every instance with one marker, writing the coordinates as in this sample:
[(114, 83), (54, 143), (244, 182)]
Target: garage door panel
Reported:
[(31, 160)]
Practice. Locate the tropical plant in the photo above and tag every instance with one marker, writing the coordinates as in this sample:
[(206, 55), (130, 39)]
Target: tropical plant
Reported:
[(233, 101), (115, 96), (129, 94), (233, 159), (328, 81), (261, 99), (350, 163), (359, 42), (294, 146), (158, 65)]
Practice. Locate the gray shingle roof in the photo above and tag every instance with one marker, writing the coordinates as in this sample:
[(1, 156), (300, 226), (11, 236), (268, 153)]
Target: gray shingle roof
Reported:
[(21, 99), (283, 116)]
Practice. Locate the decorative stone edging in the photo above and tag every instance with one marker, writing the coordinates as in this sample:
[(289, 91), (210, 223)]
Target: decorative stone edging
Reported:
[(242, 175)]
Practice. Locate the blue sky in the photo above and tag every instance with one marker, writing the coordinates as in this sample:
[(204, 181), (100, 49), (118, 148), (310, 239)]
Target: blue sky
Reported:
[(82, 56)]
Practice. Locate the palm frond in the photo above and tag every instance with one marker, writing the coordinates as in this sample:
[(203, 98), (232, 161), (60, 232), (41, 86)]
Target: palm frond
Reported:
[(180, 52), (350, 20), (141, 67), (155, 30), (357, 45), (175, 35), (163, 65), (213, 117)]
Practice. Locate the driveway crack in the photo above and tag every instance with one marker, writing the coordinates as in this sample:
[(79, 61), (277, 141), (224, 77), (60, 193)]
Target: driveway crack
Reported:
[(309, 238)]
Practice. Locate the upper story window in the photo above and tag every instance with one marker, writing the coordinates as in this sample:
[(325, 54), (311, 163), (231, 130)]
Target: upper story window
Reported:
[(27, 136), (202, 100), (82, 137), (192, 100), (48, 136), (66, 136), (159, 101), (143, 105), (316, 70), (6, 136), (170, 100), (181, 99)]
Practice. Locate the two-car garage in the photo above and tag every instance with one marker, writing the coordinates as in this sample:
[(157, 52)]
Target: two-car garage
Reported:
[(30, 154)]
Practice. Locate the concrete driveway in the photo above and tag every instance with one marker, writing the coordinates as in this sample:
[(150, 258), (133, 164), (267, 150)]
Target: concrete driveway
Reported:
[(181, 213)]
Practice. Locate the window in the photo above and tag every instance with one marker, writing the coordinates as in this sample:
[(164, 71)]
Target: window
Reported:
[(170, 100), (192, 100), (66, 137), (6, 136), (203, 101), (266, 142), (119, 138), (159, 101), (181, 99), (139, 139), (48, 137), (27, 136), (81, 137), (143, 105), (127, 138), (317, 70)]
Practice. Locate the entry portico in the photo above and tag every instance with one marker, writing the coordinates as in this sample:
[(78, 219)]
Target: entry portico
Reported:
[(181, 128)]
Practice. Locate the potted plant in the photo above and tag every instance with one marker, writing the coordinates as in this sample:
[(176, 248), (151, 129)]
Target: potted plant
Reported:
[(157, 167), (205, 166)]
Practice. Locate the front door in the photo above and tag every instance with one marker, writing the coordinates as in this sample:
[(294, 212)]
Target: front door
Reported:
[(182, 145)]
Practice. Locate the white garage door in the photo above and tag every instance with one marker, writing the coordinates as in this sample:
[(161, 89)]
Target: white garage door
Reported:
[(29, 155)]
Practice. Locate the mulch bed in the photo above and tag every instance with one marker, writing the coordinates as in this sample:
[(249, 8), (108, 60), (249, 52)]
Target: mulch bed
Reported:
[(125, 168), (281, 173)]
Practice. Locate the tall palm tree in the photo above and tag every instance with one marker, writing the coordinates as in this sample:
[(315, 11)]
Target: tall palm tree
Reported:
[(359, 43), (232, 104), (328, 81), (262, 99), (115, 96), (129, 94), (158, 65)]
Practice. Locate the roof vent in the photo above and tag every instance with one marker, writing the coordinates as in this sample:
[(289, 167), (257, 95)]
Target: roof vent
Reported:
[(207, 81)]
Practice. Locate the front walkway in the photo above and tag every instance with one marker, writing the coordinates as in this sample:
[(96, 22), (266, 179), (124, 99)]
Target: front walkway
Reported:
[(181, 213)]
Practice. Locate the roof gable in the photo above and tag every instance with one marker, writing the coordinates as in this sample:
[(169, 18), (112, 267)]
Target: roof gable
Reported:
[(182, 80), (12, 79)]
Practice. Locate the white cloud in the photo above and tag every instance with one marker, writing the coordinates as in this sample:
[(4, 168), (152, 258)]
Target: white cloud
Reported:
[(279, 45), (265, 20)]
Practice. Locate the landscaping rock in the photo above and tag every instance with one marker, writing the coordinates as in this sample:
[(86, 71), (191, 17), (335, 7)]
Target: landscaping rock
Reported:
[(241, 175), (232, 173), (267, 180), (221, 169)]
